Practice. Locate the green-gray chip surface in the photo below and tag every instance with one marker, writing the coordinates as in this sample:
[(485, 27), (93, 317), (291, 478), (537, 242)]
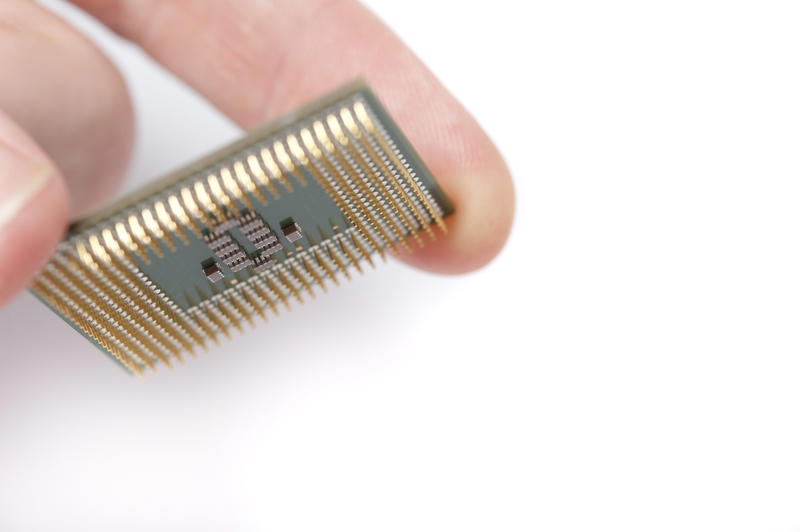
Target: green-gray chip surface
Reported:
[(293, 205)]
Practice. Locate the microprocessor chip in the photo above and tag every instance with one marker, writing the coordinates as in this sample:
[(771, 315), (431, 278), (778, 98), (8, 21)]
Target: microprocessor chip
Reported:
[(278, 214)]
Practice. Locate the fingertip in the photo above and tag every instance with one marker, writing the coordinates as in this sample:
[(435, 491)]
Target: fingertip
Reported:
[(33, 211), (69, 97), (476, 231), (28, 239)]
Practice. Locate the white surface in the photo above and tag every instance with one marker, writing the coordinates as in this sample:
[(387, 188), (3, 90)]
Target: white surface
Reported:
[(630, 362)]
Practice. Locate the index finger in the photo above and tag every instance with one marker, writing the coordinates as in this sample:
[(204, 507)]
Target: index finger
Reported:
[(255, 60)]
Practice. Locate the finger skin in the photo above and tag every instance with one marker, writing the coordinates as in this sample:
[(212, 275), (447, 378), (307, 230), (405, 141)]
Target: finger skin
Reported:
[(29, 235), (60, 88), (255, 60), (60, 100)]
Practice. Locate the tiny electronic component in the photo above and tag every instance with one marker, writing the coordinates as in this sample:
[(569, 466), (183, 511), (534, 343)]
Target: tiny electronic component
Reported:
[(291, 230), (281, 212), (213, 272)]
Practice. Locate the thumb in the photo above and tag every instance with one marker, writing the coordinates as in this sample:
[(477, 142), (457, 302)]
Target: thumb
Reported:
[(33, 208)]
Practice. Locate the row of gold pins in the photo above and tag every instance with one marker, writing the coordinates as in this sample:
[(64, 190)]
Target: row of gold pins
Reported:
[(127, 311), (288, 280), (350, 146), (337, 162), (53, 291), (375, 133), (147, 345), (208, 201), (299, 273), (93, 319), (362, 160), (109, 255), (97, 290), (351, 201), (100, 280), (97, 280)]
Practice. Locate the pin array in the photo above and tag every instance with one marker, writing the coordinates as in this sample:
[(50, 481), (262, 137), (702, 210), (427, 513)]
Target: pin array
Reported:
[(94, 280)]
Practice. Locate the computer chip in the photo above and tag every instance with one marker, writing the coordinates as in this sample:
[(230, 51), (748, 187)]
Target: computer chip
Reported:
[(273, 217)]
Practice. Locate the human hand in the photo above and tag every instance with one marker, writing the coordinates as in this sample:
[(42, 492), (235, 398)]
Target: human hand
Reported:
[(66, 121)]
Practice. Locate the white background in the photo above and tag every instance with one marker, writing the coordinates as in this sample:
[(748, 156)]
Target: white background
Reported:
[(629, 362)]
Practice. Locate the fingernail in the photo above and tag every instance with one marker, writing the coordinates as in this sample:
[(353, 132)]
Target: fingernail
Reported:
[(20, 179)]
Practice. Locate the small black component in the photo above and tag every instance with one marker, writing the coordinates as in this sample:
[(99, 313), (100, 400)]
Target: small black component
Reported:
[(262, 263), (291, 230), (213, 272)]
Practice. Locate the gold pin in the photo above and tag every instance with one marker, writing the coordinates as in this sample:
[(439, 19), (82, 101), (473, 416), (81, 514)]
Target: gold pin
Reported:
[(98, 250), (261, 175), (232, 186), (324, 265), (288, 284), (141, 235), (408, 223), (310, 144), (169, 222), (286, 162), (202, 323), (156, 229), (178, 210), (265, 297), (228, 313), (208, 206), (210, 312), (115, 349), (193, 207), (274, 169), (322, 137), (112, 244), (351, 126), (197, 317), (301, 278), (316, 153), (178, 325), (247, 181), (334, 255), (341, 138), (273, 286), (190, 331), (345, 247), (251, 301), (355, 239), (366, 121), (129, 243), (361, 204), (309, 267), (81, 299), (104, 338), (222, 196), (94, 332), (85, 256), (294, 148), (165, 333), (233, 298), (117, 309), (357, 190)]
